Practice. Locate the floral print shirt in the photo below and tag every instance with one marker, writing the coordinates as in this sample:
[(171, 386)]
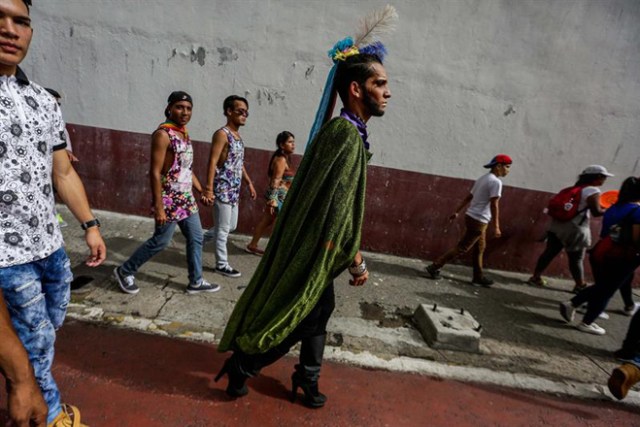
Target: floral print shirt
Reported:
[(177, 183), (226, 184), (31, 129)]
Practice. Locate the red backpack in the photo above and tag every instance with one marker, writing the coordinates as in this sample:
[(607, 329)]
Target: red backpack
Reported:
[(564, 205)]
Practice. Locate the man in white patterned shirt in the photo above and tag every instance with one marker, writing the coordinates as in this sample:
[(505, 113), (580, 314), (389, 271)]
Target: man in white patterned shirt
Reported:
[(34, 268)]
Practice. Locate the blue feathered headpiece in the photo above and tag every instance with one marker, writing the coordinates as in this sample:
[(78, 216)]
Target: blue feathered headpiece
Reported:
[(365, 42)]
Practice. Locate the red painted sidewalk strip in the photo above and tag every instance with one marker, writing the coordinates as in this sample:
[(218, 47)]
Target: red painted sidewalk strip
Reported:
[(122, 378)]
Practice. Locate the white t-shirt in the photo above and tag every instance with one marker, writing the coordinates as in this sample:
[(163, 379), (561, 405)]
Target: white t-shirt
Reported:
[(487, 187), (582, 206)]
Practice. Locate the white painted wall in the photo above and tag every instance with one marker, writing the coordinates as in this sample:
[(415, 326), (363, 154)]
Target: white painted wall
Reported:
[(556, 84)]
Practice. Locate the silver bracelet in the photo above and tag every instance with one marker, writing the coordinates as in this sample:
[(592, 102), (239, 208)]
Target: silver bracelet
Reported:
[(358, 270)]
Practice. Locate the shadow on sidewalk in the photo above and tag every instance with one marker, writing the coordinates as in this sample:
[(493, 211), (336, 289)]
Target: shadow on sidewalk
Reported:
[(514, 313), (170, 366)]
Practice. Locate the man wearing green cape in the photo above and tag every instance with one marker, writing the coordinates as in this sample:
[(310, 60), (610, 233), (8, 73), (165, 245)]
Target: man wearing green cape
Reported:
[(316, 237)]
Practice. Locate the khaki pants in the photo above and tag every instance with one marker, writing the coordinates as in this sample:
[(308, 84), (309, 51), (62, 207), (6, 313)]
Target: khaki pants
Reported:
[(474, 237)]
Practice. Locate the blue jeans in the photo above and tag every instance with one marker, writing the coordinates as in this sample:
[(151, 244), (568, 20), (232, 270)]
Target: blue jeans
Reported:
[(225, 218), (37, 295), (192, 231)]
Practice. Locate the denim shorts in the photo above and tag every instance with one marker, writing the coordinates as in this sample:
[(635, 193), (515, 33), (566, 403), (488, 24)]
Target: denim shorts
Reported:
[(37, 295)]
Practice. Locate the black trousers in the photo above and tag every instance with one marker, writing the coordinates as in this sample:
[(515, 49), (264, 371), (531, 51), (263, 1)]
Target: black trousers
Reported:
[(632, 340), (612, 269), (310, 332)]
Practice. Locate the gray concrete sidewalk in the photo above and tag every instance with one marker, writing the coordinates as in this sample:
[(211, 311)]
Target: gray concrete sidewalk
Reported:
[(524, 344)]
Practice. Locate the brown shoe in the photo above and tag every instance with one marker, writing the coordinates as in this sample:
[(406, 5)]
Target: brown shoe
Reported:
[(69, 417), (622, 379)]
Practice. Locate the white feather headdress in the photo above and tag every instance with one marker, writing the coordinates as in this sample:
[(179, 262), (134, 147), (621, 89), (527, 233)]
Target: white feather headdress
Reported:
[(375, 24)]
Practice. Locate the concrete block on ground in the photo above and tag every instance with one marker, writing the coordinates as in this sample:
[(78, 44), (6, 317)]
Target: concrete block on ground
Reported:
[(448, 328)]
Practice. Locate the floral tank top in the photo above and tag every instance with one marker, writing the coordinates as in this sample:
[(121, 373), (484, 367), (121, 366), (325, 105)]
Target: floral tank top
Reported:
[(177, 182), (226, 184)]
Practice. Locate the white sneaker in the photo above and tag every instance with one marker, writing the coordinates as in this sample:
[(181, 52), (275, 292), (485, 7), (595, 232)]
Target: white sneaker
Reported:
[(630, 311), (593, 328), (604, 316)]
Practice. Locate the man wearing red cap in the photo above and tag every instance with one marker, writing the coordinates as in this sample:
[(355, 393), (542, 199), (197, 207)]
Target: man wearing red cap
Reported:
[(483, 208)]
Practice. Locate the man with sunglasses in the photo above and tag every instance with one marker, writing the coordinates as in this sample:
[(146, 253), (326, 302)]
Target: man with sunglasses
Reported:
[(225, 173)]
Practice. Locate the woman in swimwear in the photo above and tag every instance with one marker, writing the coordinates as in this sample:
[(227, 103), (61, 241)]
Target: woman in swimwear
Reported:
[(281, 175)]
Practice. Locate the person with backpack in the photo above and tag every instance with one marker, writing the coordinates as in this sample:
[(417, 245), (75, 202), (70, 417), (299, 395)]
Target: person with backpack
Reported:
[(570, 210), (614, 259)]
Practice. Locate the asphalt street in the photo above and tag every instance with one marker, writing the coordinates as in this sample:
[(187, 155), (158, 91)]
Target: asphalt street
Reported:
[(122, 378), (149, 359)]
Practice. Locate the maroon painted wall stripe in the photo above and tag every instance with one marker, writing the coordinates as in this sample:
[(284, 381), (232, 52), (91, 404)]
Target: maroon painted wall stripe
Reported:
[(406, 211)]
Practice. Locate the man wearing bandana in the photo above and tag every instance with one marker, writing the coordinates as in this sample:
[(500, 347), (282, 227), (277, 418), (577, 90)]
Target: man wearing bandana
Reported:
[(172, 181)]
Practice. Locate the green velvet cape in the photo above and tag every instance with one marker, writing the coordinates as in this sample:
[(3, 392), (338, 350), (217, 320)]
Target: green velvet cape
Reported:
[(315, 238)]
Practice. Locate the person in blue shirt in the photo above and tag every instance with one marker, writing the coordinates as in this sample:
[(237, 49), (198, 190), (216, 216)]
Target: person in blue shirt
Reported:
[(619, 211), (614, 259)]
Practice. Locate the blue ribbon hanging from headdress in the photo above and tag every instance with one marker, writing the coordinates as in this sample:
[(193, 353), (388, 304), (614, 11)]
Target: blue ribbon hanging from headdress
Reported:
[(339, 52), (325, 102)]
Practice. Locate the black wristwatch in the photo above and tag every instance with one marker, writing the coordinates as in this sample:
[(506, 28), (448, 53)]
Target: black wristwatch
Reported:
[(93, 223)]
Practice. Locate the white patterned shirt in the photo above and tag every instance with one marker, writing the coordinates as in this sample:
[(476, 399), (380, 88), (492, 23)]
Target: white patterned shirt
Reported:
[(31, 129)]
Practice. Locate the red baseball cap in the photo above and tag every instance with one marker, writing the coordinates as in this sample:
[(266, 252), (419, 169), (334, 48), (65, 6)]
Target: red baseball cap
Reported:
[(500, 159)]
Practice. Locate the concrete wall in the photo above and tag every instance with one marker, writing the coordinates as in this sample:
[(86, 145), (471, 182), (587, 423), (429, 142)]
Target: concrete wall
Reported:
[(556, 84)]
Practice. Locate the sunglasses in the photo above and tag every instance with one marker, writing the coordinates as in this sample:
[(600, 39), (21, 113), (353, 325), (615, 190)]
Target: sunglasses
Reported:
[(242, 112)]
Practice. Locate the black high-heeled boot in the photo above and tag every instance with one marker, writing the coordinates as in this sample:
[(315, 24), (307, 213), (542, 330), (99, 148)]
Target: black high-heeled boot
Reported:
[(236, 386), (312, 396), (308, 371)]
